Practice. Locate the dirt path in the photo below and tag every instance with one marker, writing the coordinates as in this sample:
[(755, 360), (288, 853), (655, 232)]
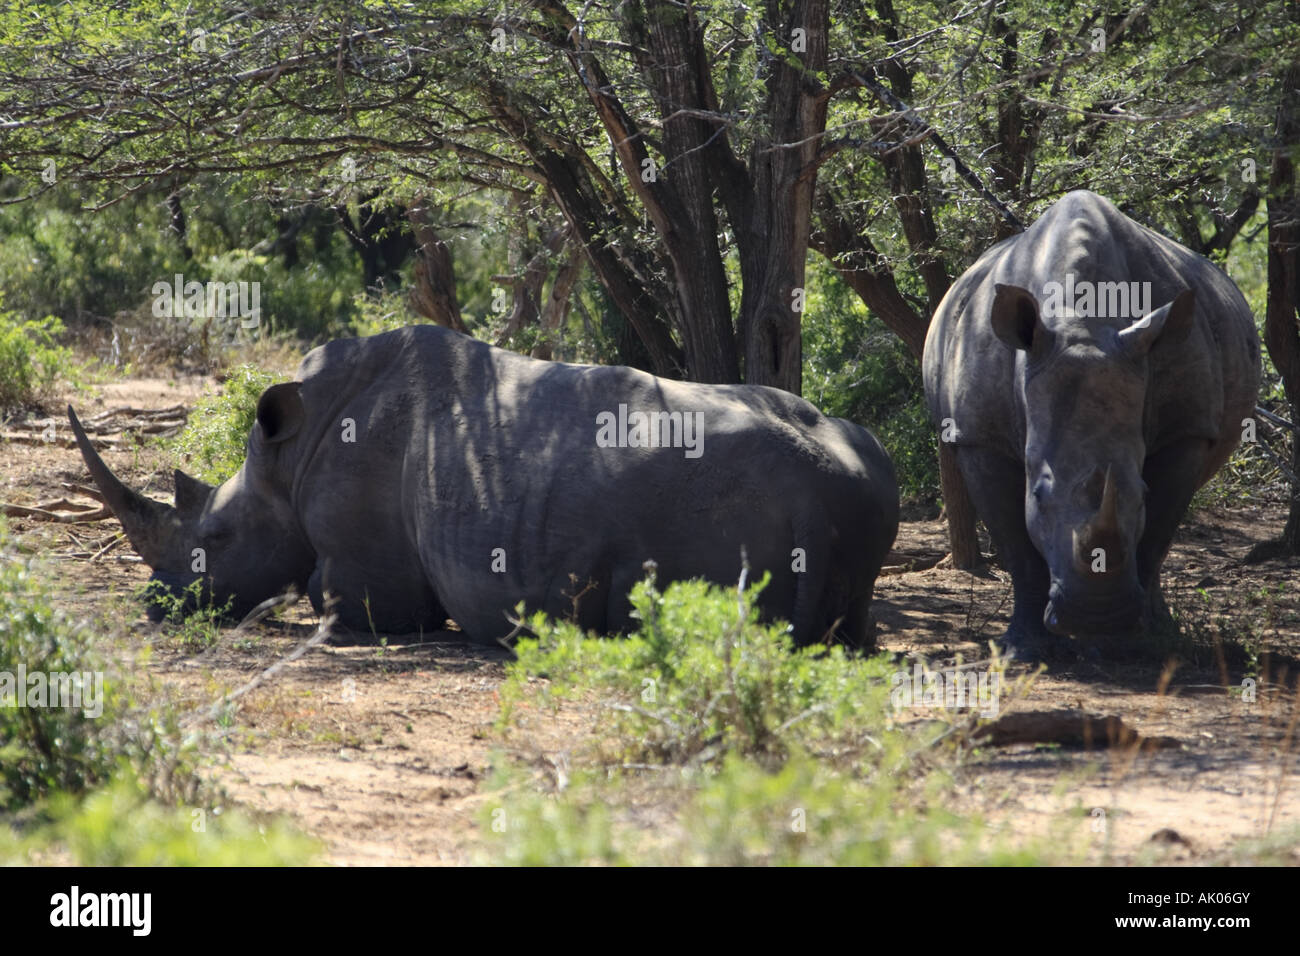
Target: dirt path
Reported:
[(381, 751)]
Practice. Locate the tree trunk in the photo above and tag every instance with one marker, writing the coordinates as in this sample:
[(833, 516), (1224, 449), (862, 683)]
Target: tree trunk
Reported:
[(683, 212), (556, 308), (529, 268), (774, 243), (963, 540), (626, 277), (906, 170), (1282, 318), (865, 271), (433, 293)]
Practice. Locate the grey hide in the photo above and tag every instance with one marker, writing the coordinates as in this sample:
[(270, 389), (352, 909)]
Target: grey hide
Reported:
[(1092, 374), (421, 474)]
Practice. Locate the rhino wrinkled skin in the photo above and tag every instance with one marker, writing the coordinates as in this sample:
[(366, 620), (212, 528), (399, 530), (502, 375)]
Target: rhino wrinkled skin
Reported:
[(1082, 429), (474, 480)]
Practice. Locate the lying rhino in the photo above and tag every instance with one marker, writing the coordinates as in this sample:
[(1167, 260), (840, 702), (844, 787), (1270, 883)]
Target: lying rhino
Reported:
[(421, 474), (1092, 375)]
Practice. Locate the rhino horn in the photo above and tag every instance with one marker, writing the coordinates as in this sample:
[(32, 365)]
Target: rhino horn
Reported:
[(1079, 547), (191, 494), (150, 525), (1107, 520), (1102, 531)]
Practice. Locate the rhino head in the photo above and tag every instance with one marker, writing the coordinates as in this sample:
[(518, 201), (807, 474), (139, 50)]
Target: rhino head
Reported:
[(1083, 392), (241, 540)]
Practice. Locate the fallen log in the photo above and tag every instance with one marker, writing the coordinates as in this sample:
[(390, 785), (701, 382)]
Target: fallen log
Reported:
[(1069, 728)]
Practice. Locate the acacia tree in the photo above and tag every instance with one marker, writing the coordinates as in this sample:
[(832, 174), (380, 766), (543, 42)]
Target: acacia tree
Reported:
[(459, 99)]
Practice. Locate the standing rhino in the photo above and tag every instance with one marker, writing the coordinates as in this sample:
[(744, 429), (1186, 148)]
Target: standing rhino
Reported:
[(421, 474), (1091, 374)]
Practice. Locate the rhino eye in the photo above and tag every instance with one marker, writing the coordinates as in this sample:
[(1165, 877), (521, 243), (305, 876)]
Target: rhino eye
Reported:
[(218, 535), (1093, 488)]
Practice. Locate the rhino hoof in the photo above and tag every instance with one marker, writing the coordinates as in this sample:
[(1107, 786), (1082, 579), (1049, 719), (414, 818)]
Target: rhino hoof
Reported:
[(1028, 648)]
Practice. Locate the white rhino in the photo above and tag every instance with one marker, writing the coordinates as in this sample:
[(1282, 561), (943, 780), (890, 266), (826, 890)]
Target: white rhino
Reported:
[(421, 474), (1091, 374)]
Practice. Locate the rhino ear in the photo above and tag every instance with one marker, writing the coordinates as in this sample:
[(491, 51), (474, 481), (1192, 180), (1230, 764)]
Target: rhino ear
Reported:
[(1169, 323), (191, 494), (1016, 320), (280, 412)]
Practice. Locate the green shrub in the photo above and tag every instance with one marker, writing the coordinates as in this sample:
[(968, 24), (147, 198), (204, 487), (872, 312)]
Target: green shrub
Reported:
[(701, 678), (44, 748), (118, 825), (718, 743), (47, 749), (57, 258), (855, 368), (313, 300), (187, 618), (804, 814), (214, 442), (31, 360), (108, 782)]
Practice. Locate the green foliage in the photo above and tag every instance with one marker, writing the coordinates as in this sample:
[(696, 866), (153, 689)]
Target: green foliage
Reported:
[(188, 618), (701, 678), (854, 368), (56, 258), (313, 300), (108, 782), (382, 313), (119, 825), (46, 749), (61, 259), (214, 441), (756, 753), (31, 360), (804, 814)]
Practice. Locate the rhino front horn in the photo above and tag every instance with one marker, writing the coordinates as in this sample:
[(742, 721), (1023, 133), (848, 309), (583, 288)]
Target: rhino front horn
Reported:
[(150, 525), (1108, 514)]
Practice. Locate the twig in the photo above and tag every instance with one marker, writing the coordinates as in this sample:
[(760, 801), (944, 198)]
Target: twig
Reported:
[(18, 511), (150, 413), (1275, 419), (86, 490), (214, 711), (284, 599), (63, 504), (116, 540), (913, 119)]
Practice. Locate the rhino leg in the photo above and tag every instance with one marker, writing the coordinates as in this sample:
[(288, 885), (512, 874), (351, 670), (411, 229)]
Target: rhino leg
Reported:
[(373, 610), (616, 606), (1172, 476), (856, 629), (996, 485)]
